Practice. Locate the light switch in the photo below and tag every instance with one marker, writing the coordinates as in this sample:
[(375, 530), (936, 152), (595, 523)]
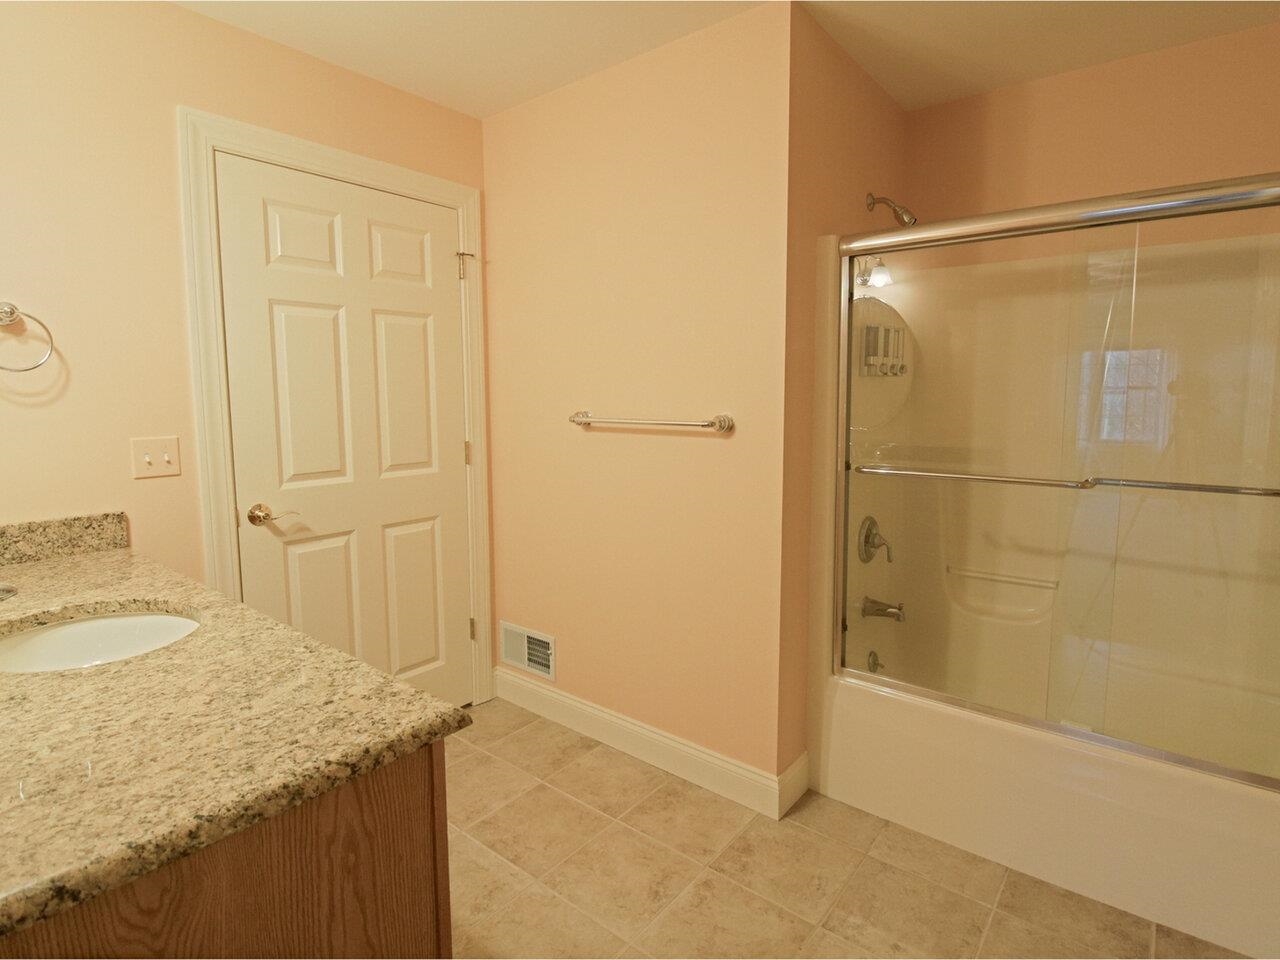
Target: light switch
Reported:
[(155, 457)]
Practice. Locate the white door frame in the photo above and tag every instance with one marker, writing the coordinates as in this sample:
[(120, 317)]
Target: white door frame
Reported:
[(203, 135)]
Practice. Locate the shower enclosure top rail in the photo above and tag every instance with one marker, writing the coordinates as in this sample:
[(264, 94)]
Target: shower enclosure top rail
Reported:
[(1088, 483), (1217, 196)]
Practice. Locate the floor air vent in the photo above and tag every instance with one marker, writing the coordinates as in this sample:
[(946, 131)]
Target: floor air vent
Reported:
[(535, 652)]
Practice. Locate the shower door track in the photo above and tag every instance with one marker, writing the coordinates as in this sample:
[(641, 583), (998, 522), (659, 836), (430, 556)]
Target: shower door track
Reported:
[(1217, 196)]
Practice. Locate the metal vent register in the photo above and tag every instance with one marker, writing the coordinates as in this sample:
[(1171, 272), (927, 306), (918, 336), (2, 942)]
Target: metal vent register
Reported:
[(535, 652)]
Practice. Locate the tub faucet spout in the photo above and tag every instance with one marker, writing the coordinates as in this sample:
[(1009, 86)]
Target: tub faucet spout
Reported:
[(878, 608)]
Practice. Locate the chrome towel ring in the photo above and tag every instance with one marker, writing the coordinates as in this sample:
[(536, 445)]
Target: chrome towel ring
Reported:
[(10, 314)]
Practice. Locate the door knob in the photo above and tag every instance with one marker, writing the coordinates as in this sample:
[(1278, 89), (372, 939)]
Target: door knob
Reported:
[(260, 513)]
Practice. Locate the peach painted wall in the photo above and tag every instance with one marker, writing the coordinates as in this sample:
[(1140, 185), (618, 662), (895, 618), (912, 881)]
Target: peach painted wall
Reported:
[(847, 137), (1200, 111), (92, 239), (636, 249)]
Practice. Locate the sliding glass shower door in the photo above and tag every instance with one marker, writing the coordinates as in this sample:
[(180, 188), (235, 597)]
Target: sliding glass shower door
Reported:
[(1139, 352)]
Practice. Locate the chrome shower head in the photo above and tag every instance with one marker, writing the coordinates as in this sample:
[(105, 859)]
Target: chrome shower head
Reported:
[(904, 216)]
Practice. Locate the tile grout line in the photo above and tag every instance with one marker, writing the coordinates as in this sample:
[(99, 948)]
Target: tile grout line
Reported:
[(941, 886), (886, 823), (643, 798), (915, 873), (818, 928), (577, 909), (764, 896), (826, 836), (822, 924), (505, 900), (666, 907), (1081, 947), (626, 939), (596, 743), (501, 806), (540, 878), (756, 893), (537, 779), (543, 781), (701, 868), (618, 821), (532, 878), (593, 836), (704, 868), (665, 846), (986, 928), (476, 746)]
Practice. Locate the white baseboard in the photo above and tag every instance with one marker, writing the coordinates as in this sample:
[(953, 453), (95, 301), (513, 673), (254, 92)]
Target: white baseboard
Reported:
[(750, 786), (793, 783)]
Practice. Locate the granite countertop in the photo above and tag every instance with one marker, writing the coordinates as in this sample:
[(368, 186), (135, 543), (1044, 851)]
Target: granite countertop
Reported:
[(111, 771)]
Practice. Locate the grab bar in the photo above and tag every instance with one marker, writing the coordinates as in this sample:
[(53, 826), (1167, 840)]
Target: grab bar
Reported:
[(1002, 578), (721, 423), (1088, 483)]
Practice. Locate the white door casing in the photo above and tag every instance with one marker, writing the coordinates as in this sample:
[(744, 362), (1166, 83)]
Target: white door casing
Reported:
[(370, 348)]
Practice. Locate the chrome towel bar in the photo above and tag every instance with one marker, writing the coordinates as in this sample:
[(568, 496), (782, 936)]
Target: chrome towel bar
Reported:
[(1088, 483), (720, 423)]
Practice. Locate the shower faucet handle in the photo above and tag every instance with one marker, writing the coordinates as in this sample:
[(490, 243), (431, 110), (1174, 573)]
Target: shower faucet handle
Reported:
[(870, 540)]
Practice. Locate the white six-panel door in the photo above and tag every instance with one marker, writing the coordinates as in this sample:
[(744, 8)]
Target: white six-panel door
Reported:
[(345, 363)]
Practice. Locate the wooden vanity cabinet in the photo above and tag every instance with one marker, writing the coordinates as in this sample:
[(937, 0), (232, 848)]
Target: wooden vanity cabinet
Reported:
[(359, 871)]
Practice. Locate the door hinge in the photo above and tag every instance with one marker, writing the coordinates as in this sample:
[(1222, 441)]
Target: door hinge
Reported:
[(466, 452), (473, 628), (462, 263)]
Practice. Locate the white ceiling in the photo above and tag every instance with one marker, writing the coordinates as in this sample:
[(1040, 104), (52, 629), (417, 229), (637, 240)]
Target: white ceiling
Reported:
[(476, 57), (482, 56), (927, 53)]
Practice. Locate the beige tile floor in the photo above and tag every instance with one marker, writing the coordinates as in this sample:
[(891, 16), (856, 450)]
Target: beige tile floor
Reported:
[(560, 846)]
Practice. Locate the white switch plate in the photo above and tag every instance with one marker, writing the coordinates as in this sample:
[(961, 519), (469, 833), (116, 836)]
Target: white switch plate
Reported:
[(155, 457)]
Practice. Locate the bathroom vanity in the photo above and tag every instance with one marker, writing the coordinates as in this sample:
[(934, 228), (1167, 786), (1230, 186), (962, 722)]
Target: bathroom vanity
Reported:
[(244, 790)]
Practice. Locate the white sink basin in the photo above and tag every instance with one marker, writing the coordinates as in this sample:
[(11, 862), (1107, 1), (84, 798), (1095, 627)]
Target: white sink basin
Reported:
[(89, 641)]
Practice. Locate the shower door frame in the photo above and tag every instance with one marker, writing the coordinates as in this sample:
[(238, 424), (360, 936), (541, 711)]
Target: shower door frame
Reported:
[(1218, 196)]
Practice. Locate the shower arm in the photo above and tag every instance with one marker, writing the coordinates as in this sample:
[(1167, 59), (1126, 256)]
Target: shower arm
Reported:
[(904, 216)]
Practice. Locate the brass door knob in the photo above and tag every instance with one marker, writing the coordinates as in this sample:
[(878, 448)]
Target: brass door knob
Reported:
[(260, 513)]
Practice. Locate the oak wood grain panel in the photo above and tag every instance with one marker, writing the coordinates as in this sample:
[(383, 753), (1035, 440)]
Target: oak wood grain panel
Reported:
[(361, 871), (440, 817)]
